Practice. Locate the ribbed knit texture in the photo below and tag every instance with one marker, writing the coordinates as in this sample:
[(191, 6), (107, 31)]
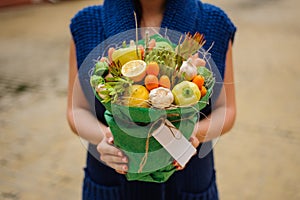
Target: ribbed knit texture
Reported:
[(196, 182), (93, 25), (142, 191)]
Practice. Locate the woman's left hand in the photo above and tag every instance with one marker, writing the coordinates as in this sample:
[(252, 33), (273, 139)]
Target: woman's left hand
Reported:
[(195, 142)]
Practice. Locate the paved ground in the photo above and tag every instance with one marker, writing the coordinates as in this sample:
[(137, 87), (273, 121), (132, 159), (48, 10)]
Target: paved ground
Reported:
[(41, 159)]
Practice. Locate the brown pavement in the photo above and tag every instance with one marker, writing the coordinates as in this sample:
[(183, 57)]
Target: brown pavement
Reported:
[(40, 158)]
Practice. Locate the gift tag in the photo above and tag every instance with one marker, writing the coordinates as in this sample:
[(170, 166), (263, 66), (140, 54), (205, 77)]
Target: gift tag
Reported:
[(174, 142)]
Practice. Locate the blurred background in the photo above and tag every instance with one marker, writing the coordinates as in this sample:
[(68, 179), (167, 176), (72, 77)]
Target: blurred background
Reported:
[(40, 158)]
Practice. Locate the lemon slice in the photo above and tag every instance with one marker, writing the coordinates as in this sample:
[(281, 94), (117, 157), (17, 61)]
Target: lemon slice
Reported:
[(135, 70)]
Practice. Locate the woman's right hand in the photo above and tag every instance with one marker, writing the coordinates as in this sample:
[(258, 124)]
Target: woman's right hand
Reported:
[(112, 156)]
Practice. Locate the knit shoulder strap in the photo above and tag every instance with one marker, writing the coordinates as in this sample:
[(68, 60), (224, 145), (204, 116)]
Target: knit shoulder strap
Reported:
[(218, 30), (87, 31)]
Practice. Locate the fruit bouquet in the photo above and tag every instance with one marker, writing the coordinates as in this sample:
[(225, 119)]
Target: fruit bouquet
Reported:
[(153, 90)]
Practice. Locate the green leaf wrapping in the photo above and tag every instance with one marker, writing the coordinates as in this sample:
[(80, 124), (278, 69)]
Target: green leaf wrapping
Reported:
[(132, 139)]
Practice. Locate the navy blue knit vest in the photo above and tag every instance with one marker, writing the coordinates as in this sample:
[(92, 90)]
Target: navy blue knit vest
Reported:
[(94, 24)]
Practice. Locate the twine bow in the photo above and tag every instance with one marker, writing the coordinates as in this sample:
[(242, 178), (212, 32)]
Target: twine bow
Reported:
[(164, 123)]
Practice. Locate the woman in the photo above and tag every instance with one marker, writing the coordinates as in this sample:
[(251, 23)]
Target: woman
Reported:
[(93, 25)]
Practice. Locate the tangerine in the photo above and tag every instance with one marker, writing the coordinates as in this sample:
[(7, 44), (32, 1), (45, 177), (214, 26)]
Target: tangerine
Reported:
[(165, 82), (151, 82), (152, 68), (203, 91), (199, 81)]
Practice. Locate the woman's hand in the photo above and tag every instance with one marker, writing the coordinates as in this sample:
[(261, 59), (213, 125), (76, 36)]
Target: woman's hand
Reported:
[(195, 142), (112, 156)]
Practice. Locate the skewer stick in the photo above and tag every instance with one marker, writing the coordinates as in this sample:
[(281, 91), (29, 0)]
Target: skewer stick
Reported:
[(136, 35)]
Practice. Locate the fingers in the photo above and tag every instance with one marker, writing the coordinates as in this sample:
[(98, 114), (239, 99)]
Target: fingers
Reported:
[(119, 167), (110, 140), (108, 133), (194, 141), (177, 165), (121, 172), (112, 156)]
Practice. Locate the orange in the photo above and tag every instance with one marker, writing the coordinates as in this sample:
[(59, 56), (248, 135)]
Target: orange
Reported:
[(151, 82), (199, 81), (152, 68), (203, 91), (165, 82)]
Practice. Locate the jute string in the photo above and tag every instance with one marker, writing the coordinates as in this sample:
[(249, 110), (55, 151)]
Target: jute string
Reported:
[(145, 157), (150, 132)]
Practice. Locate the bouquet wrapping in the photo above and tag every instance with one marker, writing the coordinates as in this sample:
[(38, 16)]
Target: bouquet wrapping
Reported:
[(153, 88)]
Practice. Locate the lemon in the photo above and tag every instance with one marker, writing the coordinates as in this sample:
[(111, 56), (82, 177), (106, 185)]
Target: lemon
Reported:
[(135, 70), (124, 55), (138, 96)]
